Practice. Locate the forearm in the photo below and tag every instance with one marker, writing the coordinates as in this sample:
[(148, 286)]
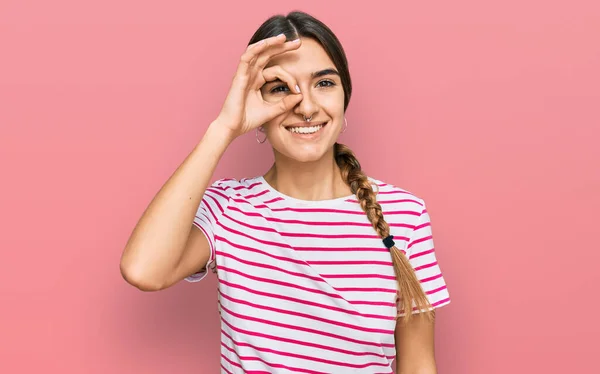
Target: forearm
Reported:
[(157, 242)]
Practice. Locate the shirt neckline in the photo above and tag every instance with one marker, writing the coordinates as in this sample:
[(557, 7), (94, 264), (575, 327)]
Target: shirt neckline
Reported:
[(300, 202)]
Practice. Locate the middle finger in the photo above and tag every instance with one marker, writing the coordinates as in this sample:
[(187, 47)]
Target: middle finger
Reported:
[(274, 50)]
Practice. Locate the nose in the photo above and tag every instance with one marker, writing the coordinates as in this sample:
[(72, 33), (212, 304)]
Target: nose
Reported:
[(307, 107)]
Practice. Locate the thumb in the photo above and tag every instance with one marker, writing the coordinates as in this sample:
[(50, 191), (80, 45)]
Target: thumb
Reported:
[(284, 105)]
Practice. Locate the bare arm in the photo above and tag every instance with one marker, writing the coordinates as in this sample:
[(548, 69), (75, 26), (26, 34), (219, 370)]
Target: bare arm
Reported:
[(415, 346), (164, 247)]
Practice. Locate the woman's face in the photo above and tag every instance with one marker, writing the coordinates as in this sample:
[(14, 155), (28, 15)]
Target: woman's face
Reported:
[(322, 99)]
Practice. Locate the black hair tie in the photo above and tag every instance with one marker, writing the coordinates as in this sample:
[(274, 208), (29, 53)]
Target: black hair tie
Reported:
[(389, 242)]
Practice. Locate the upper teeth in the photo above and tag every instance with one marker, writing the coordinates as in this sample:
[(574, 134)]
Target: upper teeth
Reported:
[(305, 130)]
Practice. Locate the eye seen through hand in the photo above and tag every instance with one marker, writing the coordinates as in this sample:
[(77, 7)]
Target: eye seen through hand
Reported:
[(284, 88)]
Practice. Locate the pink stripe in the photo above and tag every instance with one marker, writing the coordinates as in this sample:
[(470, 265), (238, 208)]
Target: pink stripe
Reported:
[(256, 194), (291, 285), (216, 192), (265, 266), (426, 266), (419, 254), (281, 283), (423, 225), (242, 201), (436, 290), (273, 200), (430, 278), (337, 276), (392, 201), (304, 315), (385, 263), (309, 235), (250, 249), (249, 358), (299, 342), (228, 360), (270, 267), (292, 273), (316, 359), (394, 192), (420, 240), (336, 236), (441, 302), (205, 214), (377, 303), (344, 249), (261, 265), (305, 302), (237, 188), (317, 210), (314, 223), (211, 211), (305, 329), (323, 210), (281, 245), (365, 289)]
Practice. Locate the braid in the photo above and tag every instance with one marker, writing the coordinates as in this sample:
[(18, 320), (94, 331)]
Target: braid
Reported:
[(409, 285)]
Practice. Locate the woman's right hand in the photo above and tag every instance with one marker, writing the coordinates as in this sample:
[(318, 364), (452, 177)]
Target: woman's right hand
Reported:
[(244, 108)]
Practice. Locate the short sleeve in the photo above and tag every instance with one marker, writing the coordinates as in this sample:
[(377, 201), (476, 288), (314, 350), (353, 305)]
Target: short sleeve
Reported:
[(421, 254), (211, 208)]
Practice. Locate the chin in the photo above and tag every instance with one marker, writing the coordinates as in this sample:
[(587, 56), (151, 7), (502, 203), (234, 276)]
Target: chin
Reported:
[(306, 154)]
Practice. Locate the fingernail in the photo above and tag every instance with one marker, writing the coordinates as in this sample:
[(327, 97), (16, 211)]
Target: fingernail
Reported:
[(297, 89), (279, 36), (296, 40)]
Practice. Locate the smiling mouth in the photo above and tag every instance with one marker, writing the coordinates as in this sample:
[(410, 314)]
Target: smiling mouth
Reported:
[(306, 130)]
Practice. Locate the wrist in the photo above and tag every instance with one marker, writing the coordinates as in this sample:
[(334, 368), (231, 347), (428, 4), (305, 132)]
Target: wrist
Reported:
[(219, 132)]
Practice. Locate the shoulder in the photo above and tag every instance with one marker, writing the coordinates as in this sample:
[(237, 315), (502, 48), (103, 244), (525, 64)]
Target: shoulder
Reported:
[(395, 198), (236, 186), (388, 191)]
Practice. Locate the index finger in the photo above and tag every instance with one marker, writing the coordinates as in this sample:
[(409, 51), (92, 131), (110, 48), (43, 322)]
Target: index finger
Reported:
[(254, 49)]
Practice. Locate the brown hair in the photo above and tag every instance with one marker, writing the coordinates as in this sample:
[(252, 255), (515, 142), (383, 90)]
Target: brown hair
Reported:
[(409, 285), (299, 24)]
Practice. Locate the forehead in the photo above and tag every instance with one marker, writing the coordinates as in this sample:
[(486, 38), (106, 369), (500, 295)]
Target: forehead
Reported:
[(308, 58)]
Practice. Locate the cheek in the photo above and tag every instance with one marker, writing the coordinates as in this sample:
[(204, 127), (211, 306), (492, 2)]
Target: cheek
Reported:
[(333, 103), (274, 123)]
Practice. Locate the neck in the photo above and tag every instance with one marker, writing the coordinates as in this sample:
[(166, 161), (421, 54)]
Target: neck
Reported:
[(316, 180)]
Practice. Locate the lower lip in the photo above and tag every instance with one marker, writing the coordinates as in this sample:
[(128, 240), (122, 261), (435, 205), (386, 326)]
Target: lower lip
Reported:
[(308, 136)]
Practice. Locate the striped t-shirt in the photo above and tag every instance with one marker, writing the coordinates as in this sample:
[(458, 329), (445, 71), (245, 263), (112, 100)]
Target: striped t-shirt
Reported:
[(308, 286)]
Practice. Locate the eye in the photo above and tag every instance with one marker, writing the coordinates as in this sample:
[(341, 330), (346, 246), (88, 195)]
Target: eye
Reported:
[(280, 88), (326, 83)]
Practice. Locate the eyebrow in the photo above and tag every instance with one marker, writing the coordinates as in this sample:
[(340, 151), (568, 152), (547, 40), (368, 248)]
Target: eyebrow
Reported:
[(323, 72)]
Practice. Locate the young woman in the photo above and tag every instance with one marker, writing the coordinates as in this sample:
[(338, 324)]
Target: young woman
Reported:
[(320, 267)]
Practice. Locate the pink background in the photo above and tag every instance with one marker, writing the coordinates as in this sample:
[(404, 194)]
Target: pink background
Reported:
[(489, 111)]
